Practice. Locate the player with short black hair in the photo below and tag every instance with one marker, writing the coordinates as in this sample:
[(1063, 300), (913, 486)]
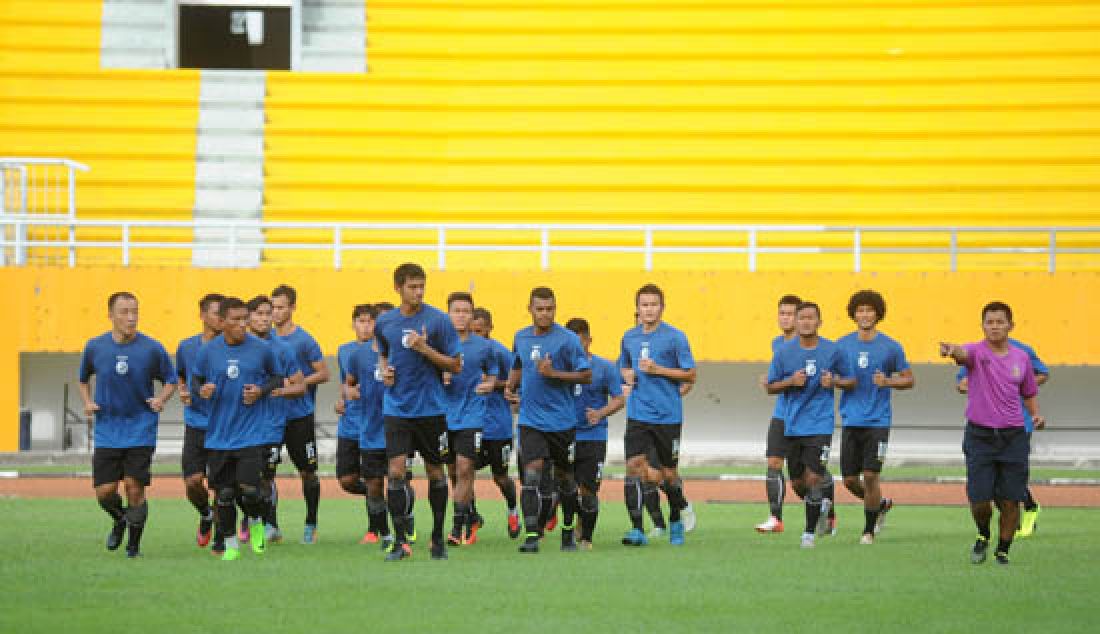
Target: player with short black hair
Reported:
[(410, 520), (549, 361), (416, 344), (125, 363), (776, 450), (879, 366), (595, 402), (349, 470), (807, 370), (195, 416), (300, 438)]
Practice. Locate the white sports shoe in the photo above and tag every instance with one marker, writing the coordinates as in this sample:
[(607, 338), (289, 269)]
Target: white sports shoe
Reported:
[(657, 533), (867, 540), (773, 525), (687, 516), (807, 540)]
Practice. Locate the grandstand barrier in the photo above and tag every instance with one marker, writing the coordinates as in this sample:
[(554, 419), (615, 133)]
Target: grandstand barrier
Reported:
[(36, 190)]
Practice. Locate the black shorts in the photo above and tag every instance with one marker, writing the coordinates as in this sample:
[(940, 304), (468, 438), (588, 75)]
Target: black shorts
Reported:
[(230, 468), (373, 463), (194, 451), (272, 455), (640, 438), (427, 435), (300, 440), (808, 452), (777, 440), (465, 443), (347, 457), (591, 455), (557, 446), (863, 449), (495, 455), (996, 463), (111, 464), (652, 458)]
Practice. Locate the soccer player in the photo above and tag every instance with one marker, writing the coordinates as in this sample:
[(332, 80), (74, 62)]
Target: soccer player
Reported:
[(362, 395), (496, 439), (410, 520), (467, 395), (125, 363), (260, 311), (658, 359), (195, 414), (236, 372), (807, 370), (549, 361), (1029, 519), (595, 401), (776, 451), (416, 343), (300, 437), (879, 365), (349, 471), (995, 442)]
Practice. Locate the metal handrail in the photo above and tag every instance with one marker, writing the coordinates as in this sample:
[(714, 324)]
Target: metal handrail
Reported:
[(542, 243)]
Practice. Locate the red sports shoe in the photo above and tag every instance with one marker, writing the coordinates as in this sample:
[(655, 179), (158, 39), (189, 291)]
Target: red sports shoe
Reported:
[(513, 525), (552, 523), (369, 538)]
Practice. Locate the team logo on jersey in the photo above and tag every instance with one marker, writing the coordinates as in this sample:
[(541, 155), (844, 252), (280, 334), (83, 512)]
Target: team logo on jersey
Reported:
[(645, 350), (1015, 371), (234, 370), (405, 332), (577, 389), (864, 360), (378, 372), (536, 352), (122, 366), (811, 367)]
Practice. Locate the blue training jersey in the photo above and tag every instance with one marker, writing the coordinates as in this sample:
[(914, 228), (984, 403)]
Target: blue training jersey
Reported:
[(1037, 367), (348, 424), (197, 413), (606, 384), (655, 399), (306, 352), (276, 412), (780, 400), (465, 407), (809, 409), (124, 375), (233, 424), (547, 404), (498, 411), (417, 391), (868, 405), (363, 365)]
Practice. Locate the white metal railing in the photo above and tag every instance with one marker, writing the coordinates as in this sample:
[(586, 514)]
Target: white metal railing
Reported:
[(41, 188), (337, 245)]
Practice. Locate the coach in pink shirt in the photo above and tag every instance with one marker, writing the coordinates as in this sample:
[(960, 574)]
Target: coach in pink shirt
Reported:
[(995, 443)]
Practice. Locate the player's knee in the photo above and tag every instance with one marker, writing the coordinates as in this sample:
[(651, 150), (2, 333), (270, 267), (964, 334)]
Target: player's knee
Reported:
[(348, 482), (852, 483), (589, 503), (137, 514), (227, 496), (567, 486), (636, 466), (194, 481), (775, 462)]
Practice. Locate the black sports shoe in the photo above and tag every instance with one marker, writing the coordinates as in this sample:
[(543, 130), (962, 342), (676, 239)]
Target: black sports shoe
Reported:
[(531, 544), (132, 553), (980, 551), (568, 541), (439, 550), (399, 552), (118, 531), (1001, 557)]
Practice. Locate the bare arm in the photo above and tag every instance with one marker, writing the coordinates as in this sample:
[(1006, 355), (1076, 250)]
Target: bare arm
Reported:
[(319, 375), (903, 380), (796, 380), (955, 352), (1032, 406), (90, 406)]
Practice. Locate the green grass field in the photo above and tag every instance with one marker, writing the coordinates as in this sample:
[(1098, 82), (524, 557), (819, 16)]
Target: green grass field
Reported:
[(58, 577)]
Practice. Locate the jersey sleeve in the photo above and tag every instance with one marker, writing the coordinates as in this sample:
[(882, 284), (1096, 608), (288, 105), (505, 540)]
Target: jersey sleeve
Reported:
[(343, 362), (202, 363), (517, 363), (842, 363), (351, 368), (504, 362), (181, 362), (578, 360), (624, 355), (973, 351), (381, 343), (775, 369), (313, 351), (448, 343), (87, 362), (901, 362), (1029, 387), (683, 352), (164, 367), (1037, 365), (614, 384)]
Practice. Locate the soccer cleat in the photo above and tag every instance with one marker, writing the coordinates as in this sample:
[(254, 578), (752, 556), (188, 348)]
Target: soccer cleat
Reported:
[(218, 547), (399, 552), (773, 525), (454, 538), (272, 534), (568, 541), (687, 516), (552, 523), (822, 527), (980, 550), (1029, 521), (118, 531), (657, 532), (531, 544), (370, 537), (134, 553), (676, 533), (243, 533), (257, 537), (867, 539), (584, 545), (513, 525), (808, 540), (439, 550), (1001, 557), (471, 533), (231, 554), (204, 532), (386, 543), (635, 538), (883, 508), (309, 535), (832, 526)]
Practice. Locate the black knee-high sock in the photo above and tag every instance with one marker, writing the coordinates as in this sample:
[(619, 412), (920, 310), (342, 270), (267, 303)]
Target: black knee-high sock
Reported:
[(311, 490), (870, 518), (271, 502), (1030, 504), (567, 491), (813, 507), (777, 489), (590, 512), (674, 489), (651, 498), (632, 492), (227, 518), (531, 502), (112, 505), (376, 516), (473, 509), (437, 498), (399, 505), (411, 492), (828, 490), (461, 519), (508, 490), (135, 524)]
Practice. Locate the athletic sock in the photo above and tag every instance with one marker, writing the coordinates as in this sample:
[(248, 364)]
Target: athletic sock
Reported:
[(311, 490), (777, 487), (531, 503), (135, 524), (509, 493), (437, 498), (461, 519), (674, 489), (828, 489), (398, 503), (112, 505), (632, 494), (568, 496), (983, 529), (869, 519), (1003, 545), (651, 498)]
